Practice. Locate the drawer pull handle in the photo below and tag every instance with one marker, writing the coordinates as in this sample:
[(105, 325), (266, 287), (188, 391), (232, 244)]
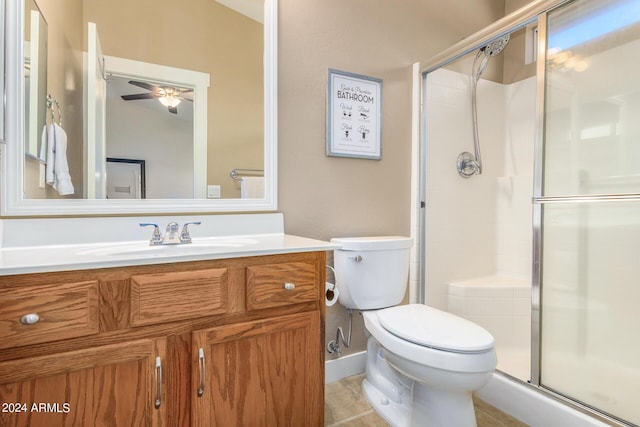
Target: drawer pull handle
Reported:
[(288, 286), (30, 319), (158, 382), (201, 369)]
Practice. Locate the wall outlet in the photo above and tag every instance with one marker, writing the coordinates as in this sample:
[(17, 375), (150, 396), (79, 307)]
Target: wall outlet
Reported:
[(213, 191)]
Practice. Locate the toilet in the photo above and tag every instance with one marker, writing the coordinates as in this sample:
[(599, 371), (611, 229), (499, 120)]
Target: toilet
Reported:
[(423, 364)]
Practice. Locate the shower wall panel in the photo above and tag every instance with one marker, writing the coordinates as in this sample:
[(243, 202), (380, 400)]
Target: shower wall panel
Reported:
[(479, 230), (479, 226), (515, 186), (460, 213)]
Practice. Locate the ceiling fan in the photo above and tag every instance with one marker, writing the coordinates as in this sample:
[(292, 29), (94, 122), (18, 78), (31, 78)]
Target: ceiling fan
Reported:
[(168, 96)]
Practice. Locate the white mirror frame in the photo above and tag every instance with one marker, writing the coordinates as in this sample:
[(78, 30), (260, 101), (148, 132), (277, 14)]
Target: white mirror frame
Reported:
[(12, 202), (2, 68)]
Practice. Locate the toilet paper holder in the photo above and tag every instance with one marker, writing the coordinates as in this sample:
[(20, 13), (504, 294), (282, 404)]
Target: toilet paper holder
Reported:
[(331, 292)]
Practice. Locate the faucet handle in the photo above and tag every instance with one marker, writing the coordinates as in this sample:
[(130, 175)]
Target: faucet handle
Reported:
[(156, 237), (185, 237)]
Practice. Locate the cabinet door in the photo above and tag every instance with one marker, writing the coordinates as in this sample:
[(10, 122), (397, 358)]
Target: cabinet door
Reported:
[(261, 373), (111, 385)]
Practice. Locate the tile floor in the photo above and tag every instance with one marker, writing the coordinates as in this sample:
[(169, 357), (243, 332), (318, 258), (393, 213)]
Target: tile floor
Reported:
[(345, 406)]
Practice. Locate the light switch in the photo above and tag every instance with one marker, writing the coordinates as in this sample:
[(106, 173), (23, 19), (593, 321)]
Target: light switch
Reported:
[(213, 191)]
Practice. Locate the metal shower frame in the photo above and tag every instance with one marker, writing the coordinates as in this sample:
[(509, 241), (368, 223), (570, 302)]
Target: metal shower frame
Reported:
[(533, 13)]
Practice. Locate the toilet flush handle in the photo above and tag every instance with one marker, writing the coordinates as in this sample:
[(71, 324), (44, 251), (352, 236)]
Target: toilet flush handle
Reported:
[(357, 258)]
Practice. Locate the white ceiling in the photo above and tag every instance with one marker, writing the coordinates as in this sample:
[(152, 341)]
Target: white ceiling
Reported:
[(253, 9)]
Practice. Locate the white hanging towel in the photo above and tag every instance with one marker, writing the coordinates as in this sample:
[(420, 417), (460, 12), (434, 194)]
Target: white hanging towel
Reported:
[(57, 171), (252, 187)]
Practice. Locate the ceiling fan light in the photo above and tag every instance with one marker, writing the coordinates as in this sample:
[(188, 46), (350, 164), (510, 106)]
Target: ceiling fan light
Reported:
[(169, 101)]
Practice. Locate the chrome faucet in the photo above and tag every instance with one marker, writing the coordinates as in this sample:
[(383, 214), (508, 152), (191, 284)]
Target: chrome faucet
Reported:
[(171, 236)]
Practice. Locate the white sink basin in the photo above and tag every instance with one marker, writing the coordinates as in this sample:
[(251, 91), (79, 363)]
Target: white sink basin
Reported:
[(198, 246)]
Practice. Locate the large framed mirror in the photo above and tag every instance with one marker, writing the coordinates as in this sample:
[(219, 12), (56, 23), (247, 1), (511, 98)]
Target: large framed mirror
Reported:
[(188, 89), (2, 67)]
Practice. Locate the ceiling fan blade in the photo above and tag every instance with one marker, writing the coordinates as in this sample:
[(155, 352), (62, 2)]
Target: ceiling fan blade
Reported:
[(181, 91), (138, 96), (144, 85), (173, 110)]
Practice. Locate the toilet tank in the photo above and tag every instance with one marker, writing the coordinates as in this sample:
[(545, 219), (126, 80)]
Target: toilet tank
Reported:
[(371, 272)]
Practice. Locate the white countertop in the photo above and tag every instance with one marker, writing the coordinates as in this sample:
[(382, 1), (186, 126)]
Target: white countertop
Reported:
[(37, 259), (59, 244)]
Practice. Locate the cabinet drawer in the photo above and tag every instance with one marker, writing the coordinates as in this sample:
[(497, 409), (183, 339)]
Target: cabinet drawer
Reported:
[(273, 285), (62, 311), (164, 297)]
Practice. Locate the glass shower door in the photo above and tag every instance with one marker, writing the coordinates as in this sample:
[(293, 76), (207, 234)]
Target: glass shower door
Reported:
[(589, 205)]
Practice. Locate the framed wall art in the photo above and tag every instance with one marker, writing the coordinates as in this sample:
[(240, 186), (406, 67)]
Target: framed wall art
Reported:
[(354, 115)]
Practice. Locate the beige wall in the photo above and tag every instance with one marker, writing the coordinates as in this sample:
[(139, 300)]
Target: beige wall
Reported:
[(514, 54), (324, 197)]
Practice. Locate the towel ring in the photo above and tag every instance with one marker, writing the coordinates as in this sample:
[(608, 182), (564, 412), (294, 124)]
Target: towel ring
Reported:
[(51, 102)]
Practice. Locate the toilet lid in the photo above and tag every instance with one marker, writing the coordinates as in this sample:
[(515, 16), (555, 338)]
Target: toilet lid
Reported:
[(427, 326)]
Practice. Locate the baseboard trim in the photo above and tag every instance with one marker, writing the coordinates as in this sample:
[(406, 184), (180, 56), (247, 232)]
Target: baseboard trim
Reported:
[(346, 366)]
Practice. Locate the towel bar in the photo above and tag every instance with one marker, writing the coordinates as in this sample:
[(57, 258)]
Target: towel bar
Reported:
[(236, 172)]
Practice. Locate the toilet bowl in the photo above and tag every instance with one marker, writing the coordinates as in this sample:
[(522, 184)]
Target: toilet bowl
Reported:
[(432, 376), (423, 364)]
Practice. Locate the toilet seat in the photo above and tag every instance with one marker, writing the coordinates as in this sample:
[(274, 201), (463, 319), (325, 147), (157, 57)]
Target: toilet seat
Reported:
[(476, 361), (430, 327)]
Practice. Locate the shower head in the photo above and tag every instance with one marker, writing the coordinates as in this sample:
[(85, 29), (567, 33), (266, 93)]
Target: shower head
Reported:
[(496, 46), (492, 49)]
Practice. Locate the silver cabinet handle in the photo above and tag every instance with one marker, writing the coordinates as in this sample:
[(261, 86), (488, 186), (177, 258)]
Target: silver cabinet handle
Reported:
[(158, 382), (30, 319), (357, 258), (289, 286), (201, 369)]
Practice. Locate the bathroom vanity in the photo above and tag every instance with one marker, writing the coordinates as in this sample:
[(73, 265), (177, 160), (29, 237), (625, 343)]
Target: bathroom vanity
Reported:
[(96, 326), (235, 339)]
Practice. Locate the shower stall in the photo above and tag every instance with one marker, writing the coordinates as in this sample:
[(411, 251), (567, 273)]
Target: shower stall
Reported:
[(538, 237)]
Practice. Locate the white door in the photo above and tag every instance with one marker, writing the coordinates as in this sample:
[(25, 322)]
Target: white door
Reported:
[(95, 139)]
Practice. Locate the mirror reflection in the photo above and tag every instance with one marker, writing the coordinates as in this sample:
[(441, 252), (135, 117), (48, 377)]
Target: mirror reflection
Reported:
[(35, 74), (154, 124), (175, 86)]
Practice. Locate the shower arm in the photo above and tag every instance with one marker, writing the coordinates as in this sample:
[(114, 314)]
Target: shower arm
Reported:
[(474, 107), (476, 139)]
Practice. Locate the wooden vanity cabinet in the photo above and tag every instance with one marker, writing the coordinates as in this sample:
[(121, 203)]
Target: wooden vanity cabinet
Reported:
[(259, 373), (234, 342), (113, 385)]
